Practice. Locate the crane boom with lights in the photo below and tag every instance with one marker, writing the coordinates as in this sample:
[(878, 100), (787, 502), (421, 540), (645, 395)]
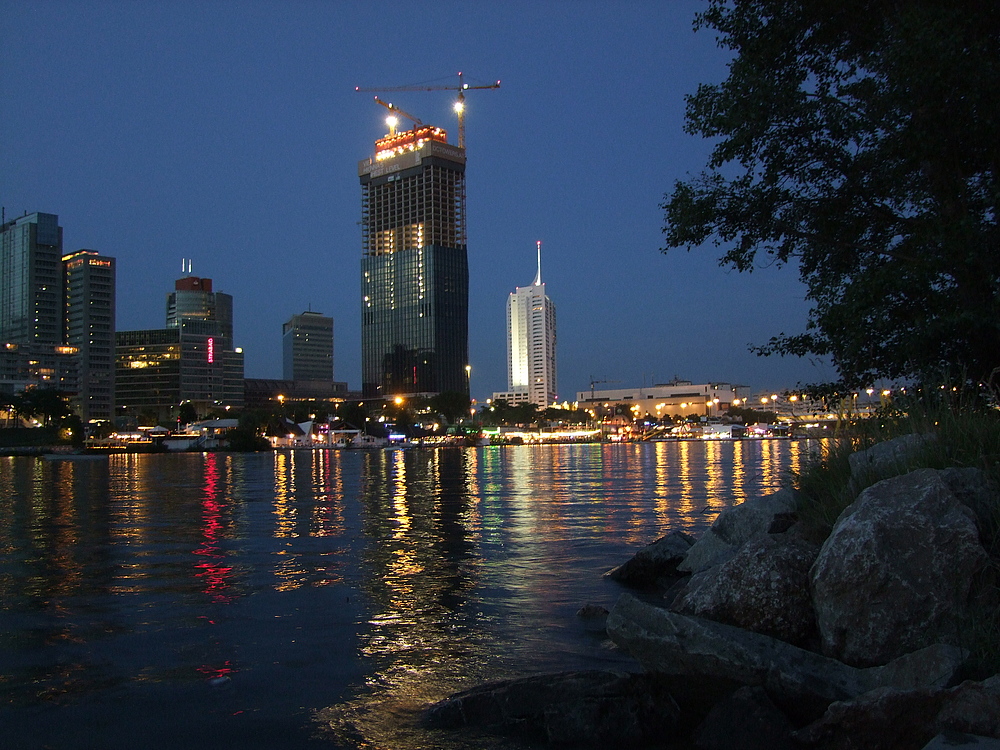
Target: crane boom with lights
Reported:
[(461, 88), (393, 108)]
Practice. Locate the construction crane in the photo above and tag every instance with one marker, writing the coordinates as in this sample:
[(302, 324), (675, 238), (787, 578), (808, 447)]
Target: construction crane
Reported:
[(596, 382), (459, 107), (392, 120)]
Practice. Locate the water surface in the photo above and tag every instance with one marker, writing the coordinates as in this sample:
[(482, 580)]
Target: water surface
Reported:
[(321, 598)]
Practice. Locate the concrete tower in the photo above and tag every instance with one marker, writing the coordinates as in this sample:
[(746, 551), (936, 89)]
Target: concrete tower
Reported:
[(531, 343)]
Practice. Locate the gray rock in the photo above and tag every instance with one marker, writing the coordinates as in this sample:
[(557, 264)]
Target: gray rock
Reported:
[(741, 523), (887, 458), (581, 709), (735, 526), (897, 572), (654, 563), (675, 644), (936, 666), (888, 719), (764, 587), (709, 550), (745, 720), (952, 740), (669, 643)]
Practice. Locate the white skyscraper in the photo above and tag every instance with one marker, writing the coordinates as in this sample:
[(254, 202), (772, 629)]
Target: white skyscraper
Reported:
[(531, 344)]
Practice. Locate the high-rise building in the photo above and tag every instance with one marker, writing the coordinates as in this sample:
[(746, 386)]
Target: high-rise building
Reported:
[(31, 304), (531, 344), (90, 328), (57, 316), (194, 307), (414, 266), (190, 361), (307, 347)]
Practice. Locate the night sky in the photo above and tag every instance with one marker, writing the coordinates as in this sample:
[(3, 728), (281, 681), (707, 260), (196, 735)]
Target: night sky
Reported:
[(229, 133)]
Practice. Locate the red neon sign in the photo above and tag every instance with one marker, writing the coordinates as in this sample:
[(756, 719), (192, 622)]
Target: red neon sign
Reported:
[(211, 350)]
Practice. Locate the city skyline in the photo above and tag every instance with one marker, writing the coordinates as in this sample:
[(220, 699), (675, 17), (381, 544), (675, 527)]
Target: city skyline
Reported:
[(231, 138)]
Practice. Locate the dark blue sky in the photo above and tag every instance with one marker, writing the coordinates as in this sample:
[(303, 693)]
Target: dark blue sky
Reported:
[(229, 133)]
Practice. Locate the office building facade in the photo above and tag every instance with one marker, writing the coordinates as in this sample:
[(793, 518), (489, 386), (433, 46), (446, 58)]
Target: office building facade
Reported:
[(531, 345), (196, 308), (414, 266), (189, 361), (57, 316), (31, 304), (307, 347), (90, 329)]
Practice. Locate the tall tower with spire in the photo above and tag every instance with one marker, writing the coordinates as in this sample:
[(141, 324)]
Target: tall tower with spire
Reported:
[(531, 343)]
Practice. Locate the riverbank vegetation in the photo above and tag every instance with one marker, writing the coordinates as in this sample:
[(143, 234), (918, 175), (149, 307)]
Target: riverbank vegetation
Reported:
[(948, 430), (936, 429)]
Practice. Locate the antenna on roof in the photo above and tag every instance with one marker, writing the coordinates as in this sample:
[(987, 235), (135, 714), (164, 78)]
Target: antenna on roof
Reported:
[(538, 276)]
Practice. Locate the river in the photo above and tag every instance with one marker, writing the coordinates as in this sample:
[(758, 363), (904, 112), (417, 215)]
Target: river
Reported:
[(320, 599)]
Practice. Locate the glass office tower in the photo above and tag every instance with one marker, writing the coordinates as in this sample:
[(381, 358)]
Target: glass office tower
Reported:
[(414, 267), (31, 292)]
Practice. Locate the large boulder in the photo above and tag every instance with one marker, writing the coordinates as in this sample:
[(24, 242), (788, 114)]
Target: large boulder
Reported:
[(897, 572), (656, 563), (764, 587), (889, 719), (581, 709), (669, 643), (735, 526), (888, 457)]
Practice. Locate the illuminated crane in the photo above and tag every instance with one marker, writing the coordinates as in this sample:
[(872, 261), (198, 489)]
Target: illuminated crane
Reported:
[(392, 121), (459, 106)]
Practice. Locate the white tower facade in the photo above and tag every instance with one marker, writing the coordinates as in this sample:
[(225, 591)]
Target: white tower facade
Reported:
[(531, 344)]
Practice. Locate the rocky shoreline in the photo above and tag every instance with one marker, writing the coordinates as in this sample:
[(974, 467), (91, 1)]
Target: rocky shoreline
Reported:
[(769, 638)]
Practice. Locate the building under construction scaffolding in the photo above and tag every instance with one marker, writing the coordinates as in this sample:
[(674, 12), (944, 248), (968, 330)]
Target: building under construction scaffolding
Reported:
[(414, 266)]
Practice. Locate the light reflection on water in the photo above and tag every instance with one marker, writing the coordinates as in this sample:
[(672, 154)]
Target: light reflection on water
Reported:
[(276, 596)]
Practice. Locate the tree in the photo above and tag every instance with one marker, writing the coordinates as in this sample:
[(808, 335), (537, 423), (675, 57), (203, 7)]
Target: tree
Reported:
[(451, 405), (860, 140), (353, 413), (46, 403), (186, 413)]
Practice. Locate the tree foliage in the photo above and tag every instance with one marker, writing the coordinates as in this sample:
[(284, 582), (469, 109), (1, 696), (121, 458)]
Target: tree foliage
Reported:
[(453, 406), (860, 141)]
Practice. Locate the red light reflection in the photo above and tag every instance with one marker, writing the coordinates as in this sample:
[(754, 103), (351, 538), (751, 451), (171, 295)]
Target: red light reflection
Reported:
[(215, 574)]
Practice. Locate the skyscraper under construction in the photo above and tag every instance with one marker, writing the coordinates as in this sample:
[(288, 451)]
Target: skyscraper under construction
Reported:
[(414, 266)]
